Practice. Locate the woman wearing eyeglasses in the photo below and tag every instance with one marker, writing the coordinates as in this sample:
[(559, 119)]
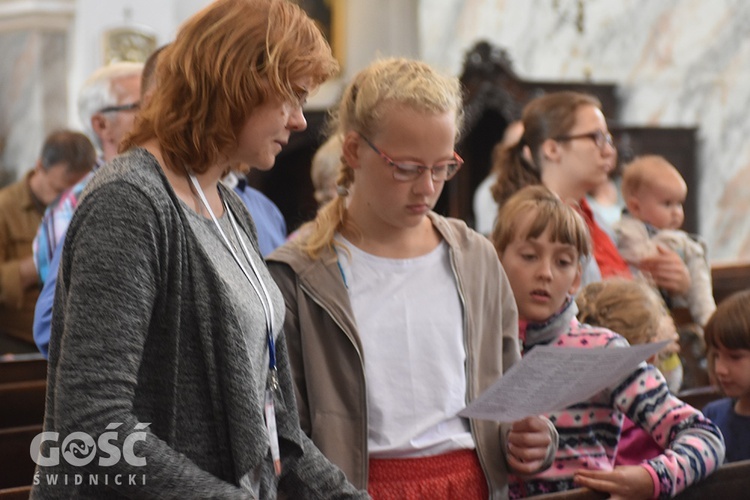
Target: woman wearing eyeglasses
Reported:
[(572, 152), (396, 316)]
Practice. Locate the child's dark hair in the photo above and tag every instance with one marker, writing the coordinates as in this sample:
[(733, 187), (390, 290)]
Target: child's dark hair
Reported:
[(548, 209), (729, 325)]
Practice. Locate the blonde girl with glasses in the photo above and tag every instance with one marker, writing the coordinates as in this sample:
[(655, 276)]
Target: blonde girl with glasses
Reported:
[(397, 317)]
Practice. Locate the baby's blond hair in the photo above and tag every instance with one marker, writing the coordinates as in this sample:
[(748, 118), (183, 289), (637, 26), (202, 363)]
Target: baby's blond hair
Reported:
[(629, 307), (640, 173)]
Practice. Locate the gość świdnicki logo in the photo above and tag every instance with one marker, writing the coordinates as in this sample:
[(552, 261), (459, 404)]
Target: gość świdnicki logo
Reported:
[(79, 449)]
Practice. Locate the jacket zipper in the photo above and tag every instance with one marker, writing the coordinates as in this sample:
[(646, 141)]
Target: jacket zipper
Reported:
[(364, 383), (469, 369)]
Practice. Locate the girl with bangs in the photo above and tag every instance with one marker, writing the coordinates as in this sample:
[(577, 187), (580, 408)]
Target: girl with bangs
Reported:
[(166, 335), (541, 243), (397, 317)]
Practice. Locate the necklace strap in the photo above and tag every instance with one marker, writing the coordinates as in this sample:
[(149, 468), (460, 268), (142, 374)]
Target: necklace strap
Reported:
[(263, 295)]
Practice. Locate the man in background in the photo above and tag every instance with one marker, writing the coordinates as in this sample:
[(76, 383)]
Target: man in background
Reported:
[(65, 158), (269, 221), (107, 104)]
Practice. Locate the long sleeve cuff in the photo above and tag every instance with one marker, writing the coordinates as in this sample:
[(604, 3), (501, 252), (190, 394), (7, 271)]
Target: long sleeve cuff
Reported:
[(654, 478), (552, 450)]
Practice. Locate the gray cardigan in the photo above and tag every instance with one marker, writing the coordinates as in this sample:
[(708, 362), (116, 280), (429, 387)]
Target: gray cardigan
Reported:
[(143, 334)]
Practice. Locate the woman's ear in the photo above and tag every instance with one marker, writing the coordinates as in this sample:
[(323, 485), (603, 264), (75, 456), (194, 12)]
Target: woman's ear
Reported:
[(551, 150), (350, 149)]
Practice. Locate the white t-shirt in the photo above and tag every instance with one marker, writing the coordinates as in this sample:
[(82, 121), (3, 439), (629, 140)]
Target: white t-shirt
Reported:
[(410, 321), (485, 206)]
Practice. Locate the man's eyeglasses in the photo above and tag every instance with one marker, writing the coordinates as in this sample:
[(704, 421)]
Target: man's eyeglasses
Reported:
[(405, 171), (600, 138), (122, 107)]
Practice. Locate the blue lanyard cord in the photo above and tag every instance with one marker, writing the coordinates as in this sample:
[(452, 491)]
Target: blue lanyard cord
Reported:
[(264, 297), (341, 268), (267, 304)]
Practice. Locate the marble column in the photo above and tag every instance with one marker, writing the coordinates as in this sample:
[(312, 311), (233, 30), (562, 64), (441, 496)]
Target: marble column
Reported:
[(34, 39), (675, 64)]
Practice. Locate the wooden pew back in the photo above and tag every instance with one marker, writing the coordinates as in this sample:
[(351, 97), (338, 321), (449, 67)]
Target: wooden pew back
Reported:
[(699, 397), (22, 403), (23, 369), (729, 482), (16, 465), (729, 278), (19, 493)]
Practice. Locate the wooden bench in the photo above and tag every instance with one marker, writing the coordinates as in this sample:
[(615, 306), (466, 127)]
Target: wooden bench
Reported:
[(16, 465), (730, 481), (22, 403), (698, 397), (21, 369), (728, 278), (576, 494), (19, 493)]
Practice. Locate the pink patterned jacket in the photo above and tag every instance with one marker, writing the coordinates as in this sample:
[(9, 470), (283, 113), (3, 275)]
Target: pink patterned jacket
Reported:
[(590, 430)]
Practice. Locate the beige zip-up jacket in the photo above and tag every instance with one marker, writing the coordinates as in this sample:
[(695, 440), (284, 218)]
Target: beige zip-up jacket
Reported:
[(328, 363)]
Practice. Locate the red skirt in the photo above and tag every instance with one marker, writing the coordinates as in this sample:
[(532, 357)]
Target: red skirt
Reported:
[(457, 474)]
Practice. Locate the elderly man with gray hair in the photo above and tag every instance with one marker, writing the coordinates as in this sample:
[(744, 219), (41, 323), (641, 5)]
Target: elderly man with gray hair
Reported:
[(107, 104)]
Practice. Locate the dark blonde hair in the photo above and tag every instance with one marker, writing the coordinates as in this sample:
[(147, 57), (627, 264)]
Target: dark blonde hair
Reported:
[(546, 117), (148, 77), (548, 211), (226, 60), (629, 307), (326, 164), (640, 172), (729, 325), (367, 99)]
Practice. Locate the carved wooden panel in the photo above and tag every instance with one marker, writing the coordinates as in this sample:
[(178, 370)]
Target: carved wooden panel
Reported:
[(493, 97), (676, 144)]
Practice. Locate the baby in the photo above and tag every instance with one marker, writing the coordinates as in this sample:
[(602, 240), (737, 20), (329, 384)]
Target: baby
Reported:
[(654, 192), (637, 312)]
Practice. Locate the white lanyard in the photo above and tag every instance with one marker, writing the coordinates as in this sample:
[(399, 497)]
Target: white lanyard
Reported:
[(265, 297), (265, 300)]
